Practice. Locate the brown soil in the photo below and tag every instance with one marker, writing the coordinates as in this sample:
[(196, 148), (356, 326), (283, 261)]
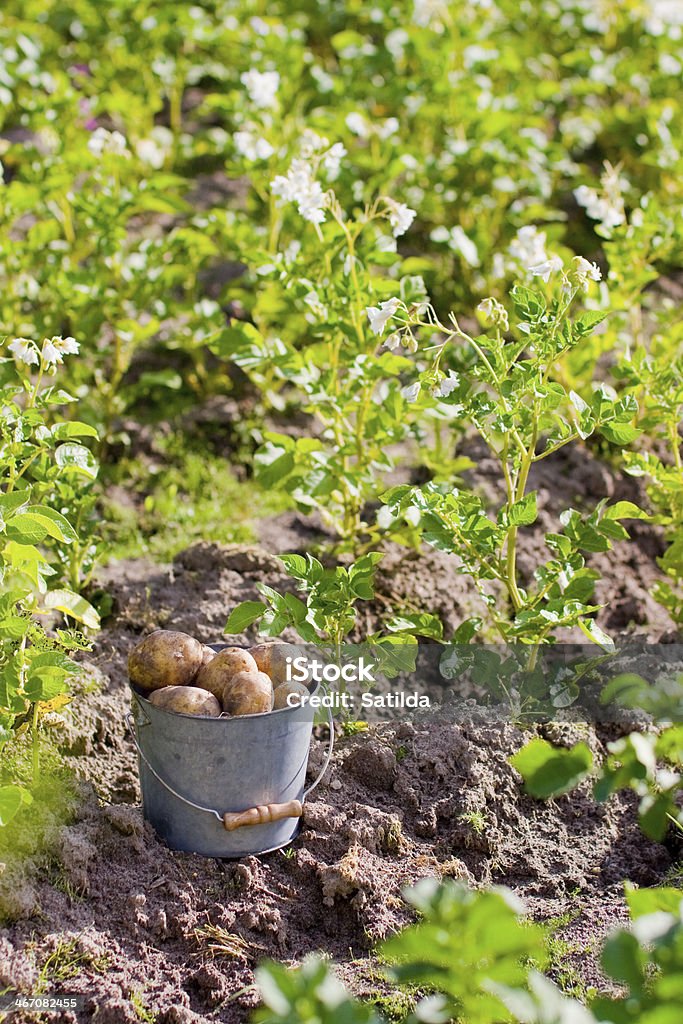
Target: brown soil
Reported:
[(180, 935)]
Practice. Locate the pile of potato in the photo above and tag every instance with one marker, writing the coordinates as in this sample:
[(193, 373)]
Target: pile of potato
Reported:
[(178, 673)]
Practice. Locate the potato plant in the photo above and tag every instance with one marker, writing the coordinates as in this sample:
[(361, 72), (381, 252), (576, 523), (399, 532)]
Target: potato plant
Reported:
[(42, 494), (80, 268), (506, 383), (657, 373), (327, 615), (327, 362)]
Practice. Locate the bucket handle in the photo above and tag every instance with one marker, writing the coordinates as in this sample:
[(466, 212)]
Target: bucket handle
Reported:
[(254, 815)]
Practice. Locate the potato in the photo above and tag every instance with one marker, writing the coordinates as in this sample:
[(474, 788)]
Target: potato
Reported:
[(272, 659), (187, 700), (283, 691), (248, 693), (165, 658), (207, 655), (220, 670)]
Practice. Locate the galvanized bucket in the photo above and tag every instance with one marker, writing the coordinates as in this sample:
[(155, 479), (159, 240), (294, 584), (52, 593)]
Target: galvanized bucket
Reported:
[(224, 787)]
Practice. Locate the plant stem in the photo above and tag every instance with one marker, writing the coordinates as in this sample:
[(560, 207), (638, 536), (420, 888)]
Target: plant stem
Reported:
[(35, 745), (674, 821), (511, 550), (675, 445)]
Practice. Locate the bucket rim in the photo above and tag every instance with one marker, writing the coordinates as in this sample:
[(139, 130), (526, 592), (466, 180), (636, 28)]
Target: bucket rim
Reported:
[(224, 716)]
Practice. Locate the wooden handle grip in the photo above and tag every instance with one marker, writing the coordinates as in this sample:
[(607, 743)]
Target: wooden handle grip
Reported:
[(263, 814)]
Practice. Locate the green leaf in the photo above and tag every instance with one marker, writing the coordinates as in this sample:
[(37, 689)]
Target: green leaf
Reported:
[(623, 960), (419, 623), (466, 943), (625, 688), (14, 627), (236, 340), (26, 529), (68, 603), (78, 459), (467, 630), (55, 523), (620, 433), (243, 616), (12, 798), (45, 684), (549, 771), (73, 428), (272, 464), (651, 901), (524, 511), (528, 303), (654, 813), (585, 323), (168, 378), (625, 510), (296, 566), (670, 745), (591, 629), (9, 503)]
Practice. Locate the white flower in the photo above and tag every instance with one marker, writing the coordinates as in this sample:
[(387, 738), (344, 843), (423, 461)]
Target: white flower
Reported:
[(599, 208), (430, 13), (318, 308), (299, 186), (669, 65), (325, 82), (440, 234), (260, 27), (101, 141), (262, 87), (363, 128), (411, 392), (252, 146), (545, 269), (494, 313), (396, 41), (664, 18), (51, 354), (67, 346), (462, 243), (378, 315), (312, 143), (393, 341), (528, 246), (446, 385), (412, 515), (155, 148), (585, 271), (24, 351), (357, 124), (333, 158), (388, 128), (311, 205), (400, 216)]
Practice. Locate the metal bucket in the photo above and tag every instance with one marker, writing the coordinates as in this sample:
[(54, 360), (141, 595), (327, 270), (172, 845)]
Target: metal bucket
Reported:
[(224, 787)]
